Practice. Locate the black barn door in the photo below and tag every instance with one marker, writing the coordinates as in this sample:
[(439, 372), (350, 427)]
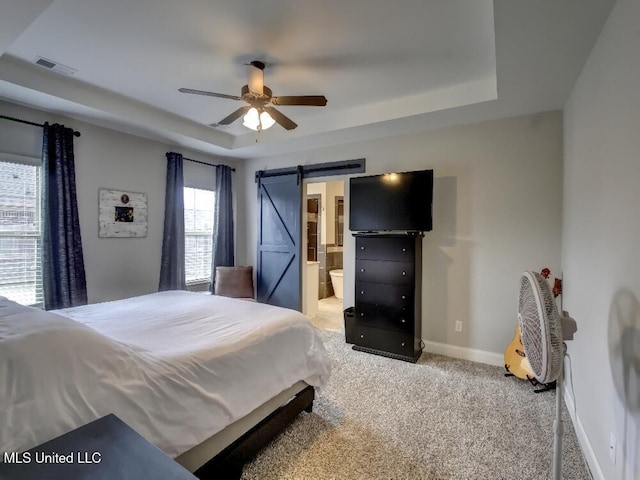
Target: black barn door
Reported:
[(278, 273)]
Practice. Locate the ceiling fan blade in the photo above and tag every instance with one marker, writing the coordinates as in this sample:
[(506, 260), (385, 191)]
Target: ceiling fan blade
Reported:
[(309, 100), (210, 94), (281, 118), (234, 116)]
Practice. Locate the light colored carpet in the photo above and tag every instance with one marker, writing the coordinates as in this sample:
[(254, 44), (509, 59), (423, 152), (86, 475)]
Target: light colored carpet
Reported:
[(441, 418)]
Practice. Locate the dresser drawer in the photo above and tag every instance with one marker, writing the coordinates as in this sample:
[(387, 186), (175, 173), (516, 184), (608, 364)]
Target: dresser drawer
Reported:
[(384, 317), (386, 340), (379, 271), (396, 296), (395, 249)]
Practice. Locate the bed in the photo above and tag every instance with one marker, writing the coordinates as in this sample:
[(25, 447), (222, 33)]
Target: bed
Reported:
[(190, 372)]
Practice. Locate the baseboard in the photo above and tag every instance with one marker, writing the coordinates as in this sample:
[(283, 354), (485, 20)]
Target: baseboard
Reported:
[(583, 440), (464, 353)]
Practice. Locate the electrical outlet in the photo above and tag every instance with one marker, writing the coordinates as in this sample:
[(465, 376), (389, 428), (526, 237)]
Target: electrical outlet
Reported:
[(458, 326), (612, 448)]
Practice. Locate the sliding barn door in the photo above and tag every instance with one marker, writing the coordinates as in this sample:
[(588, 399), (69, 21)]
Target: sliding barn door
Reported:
[(279, 235)]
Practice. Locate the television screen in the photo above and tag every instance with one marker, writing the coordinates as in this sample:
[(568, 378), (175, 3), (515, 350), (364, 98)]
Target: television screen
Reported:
[(393, 201)]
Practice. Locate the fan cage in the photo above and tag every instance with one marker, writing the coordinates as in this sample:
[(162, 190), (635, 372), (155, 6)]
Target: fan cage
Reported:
[(540, 327)]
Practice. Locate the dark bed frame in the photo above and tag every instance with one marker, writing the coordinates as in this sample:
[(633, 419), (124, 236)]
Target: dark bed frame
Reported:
[(228, 464)]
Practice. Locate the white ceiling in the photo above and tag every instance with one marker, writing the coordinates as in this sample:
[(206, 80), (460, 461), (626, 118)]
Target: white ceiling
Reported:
[(385, 67)]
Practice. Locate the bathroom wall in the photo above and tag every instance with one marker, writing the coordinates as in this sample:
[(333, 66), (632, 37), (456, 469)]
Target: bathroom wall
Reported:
[(335, 190), (312, 226), (329, 254)]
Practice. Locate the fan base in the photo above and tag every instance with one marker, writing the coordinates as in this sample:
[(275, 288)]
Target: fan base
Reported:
[(544, 387), (256, 99)]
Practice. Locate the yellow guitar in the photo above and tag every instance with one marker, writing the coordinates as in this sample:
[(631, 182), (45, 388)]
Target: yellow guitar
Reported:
[(515, 360)]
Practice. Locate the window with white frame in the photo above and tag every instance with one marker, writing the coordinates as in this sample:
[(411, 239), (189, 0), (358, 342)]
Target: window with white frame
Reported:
[(20, 232), (198, 234)]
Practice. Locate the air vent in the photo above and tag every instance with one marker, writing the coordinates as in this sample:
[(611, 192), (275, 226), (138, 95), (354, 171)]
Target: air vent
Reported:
[(55, 66), (45, 63)]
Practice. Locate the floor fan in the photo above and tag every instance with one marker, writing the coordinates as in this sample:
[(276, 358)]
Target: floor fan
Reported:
[(542, 328)]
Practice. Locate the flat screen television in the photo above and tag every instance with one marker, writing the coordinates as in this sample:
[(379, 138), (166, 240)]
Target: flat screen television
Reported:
[(391, 202)]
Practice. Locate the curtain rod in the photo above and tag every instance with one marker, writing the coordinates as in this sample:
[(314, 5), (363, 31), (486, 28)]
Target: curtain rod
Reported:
[(76, 133), (204, 163)]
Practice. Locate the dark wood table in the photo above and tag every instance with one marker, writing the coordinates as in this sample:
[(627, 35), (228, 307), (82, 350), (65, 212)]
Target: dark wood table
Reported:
[(106, 449)]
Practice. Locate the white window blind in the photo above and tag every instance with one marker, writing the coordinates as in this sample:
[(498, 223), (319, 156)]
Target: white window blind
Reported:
[(20, 233), (198, 234)]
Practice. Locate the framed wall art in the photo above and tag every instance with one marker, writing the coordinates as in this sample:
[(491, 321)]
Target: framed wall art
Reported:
[(122, 214)]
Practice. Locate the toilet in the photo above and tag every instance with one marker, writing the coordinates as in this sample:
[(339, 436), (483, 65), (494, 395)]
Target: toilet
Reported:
[(336, 281)]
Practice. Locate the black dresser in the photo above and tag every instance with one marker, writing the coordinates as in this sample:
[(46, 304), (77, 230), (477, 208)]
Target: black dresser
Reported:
[(388, 295)]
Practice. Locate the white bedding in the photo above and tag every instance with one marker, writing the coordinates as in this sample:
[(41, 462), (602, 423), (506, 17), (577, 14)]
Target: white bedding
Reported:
[(176, 366)]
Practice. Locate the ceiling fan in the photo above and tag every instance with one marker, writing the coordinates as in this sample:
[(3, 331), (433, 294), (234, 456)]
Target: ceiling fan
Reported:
[(259, 115)]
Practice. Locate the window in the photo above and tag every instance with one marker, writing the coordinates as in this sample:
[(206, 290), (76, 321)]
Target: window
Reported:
[(198, 234), (20, 233)]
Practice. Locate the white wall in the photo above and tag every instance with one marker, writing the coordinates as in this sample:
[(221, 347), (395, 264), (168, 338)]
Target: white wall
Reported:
[(115, 267), (497, 212), (600, 252)]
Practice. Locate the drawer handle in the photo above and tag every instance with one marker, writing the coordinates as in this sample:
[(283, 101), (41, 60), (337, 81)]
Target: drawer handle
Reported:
[(361, 335), (402, 344), (361, 314), (361, 292), (404, 273), (404, 297), (361, 248), (362, 269), (404, 249), (402, 320)]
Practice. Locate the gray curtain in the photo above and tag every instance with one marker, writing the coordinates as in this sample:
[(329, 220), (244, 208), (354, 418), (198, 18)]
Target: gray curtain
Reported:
[(223, 243), (64, 280), (172, 269)]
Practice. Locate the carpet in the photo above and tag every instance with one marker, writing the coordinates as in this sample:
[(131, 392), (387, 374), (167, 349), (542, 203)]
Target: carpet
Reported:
[(441, 418)]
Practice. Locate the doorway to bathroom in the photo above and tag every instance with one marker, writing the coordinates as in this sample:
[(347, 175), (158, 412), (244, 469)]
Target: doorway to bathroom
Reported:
[(324, 226)]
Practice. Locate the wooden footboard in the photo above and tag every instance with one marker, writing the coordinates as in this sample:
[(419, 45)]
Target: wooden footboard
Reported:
[(228, 463)]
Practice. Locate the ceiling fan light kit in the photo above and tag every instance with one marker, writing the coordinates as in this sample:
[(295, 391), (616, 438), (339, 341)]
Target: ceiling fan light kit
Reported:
[(258, 115), (258, 122)]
